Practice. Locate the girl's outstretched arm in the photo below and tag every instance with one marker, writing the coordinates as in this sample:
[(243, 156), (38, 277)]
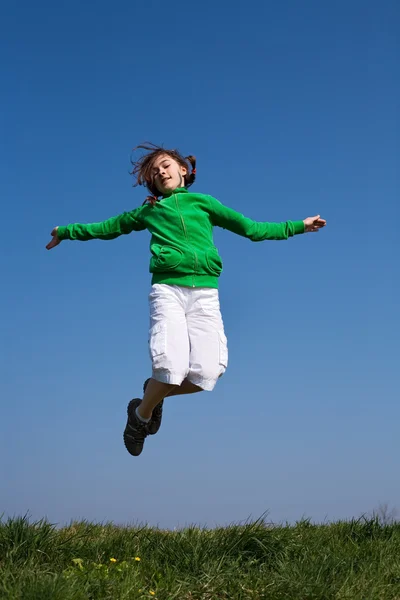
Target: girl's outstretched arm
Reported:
[(105, 230), (226, 217)]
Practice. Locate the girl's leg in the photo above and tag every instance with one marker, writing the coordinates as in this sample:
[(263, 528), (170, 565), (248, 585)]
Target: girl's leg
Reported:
[(169, 345), (169, 350), (186, 387), (151, 404), (155, 392)]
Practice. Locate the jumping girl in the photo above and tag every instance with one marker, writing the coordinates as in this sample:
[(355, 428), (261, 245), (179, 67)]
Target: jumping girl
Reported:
[(187, 342)]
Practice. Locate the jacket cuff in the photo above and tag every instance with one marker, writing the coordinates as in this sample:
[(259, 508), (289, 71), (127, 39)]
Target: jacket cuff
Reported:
[(299, 227), (62, 233)]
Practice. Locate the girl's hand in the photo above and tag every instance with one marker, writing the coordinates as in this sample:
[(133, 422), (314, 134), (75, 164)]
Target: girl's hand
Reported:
[(55, 241), (313, 224)]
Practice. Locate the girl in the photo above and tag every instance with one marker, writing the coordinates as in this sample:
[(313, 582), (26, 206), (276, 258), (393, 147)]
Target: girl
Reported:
[(187, 342)]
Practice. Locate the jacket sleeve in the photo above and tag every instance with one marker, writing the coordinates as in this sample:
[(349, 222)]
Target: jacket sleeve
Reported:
[(105, 230), (225, 217)]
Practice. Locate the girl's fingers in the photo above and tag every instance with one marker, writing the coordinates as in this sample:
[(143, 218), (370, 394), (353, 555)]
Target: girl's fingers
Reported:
[(54, 242), (314, 224)]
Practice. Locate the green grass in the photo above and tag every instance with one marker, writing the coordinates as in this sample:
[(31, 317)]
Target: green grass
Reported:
[(354, 560)]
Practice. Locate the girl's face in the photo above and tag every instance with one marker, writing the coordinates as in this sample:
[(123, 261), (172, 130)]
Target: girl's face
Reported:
[(168, 174)]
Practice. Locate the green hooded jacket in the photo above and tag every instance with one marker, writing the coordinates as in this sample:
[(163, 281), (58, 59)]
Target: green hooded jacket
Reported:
[(181, 226)]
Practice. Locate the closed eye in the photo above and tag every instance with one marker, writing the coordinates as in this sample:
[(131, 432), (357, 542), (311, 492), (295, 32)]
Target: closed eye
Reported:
[(157, 171)]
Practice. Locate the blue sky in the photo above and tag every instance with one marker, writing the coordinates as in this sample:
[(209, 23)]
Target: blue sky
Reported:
[(292, 109)]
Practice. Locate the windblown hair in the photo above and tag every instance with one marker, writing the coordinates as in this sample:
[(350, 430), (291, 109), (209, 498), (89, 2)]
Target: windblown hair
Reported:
[(143, 168)]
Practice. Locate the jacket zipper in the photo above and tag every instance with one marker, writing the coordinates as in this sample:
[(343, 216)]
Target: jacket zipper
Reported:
[(186, 235)]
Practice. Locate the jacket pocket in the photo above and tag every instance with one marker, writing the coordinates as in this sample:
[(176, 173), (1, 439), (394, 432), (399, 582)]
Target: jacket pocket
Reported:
[(164, 258), (214, 261)]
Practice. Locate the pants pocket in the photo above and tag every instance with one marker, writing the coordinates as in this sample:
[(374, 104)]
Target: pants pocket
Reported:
[(223, 351), (157, 343)]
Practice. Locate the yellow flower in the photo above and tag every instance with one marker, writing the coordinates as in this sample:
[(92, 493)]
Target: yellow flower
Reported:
[(137, 558), (78, 562), (152, 593), (113, 560)]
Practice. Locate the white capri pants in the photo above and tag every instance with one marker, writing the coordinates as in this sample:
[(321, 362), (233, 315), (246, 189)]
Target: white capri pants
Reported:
[(187, 338)]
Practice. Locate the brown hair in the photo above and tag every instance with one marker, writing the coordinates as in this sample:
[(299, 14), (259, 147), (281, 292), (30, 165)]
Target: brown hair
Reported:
[(142, 168)]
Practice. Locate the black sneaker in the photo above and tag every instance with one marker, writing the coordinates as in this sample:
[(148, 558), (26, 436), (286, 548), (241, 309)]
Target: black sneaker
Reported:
[(155, 421), (135, 431)]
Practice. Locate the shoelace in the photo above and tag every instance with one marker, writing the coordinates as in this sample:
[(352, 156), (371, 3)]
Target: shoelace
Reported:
[(139, 429)]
